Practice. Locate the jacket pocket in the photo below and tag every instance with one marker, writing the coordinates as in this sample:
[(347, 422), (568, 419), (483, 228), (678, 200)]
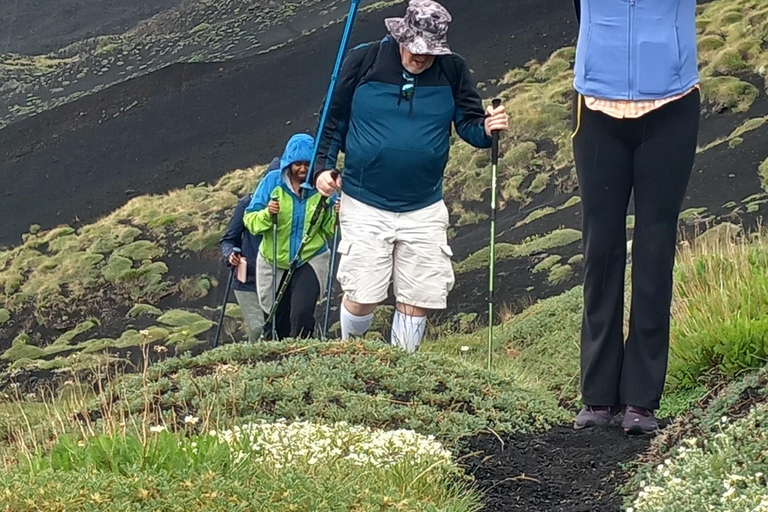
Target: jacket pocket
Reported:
[(658, 66), (605, 61)]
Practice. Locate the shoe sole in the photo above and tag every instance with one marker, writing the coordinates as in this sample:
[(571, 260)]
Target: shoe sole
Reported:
[(637, 431), (590, 424)]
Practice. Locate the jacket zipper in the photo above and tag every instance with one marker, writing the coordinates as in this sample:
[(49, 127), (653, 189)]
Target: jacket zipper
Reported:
[(630, 76)]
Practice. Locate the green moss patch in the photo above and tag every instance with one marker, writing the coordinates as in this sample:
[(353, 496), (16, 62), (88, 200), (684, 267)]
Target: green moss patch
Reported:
[(558, 238)]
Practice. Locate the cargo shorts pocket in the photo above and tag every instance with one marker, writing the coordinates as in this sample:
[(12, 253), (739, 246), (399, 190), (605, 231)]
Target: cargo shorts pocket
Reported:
[(448, 275)]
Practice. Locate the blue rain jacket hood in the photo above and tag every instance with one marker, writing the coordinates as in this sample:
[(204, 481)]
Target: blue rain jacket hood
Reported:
[(298, 149)]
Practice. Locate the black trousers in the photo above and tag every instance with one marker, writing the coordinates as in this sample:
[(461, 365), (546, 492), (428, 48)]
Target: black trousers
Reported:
[(295, 317), (651, 156)]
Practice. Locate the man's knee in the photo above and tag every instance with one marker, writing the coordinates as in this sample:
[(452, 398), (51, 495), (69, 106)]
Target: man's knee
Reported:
[(358, 309), (413, 311)]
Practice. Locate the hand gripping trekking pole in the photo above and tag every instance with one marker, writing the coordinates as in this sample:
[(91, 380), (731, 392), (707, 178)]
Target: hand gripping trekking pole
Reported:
[(236, 250), (274, 270), (492, 267), (307, 185), (329, 285)]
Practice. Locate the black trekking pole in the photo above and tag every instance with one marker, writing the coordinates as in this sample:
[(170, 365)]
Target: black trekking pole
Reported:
[(235, 250), (329, 285), (492, 267)]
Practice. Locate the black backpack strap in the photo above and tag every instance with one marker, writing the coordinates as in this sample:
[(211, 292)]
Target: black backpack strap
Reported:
[(449, 68), (368, 61)]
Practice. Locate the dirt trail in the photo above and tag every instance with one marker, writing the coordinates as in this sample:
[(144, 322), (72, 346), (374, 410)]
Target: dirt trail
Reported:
[(559, 471)]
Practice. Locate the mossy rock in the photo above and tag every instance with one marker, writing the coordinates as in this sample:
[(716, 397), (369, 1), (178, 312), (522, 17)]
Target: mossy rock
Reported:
[(143, 309), (181, 318), (5, 315), (574, 260)]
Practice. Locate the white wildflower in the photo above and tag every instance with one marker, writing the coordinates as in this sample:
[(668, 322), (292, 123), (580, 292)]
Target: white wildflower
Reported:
[(157, 429), (191, 419)]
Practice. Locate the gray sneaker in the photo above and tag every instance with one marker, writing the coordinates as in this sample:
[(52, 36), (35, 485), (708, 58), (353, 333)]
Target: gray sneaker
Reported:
[(594, 417), (638, 421)]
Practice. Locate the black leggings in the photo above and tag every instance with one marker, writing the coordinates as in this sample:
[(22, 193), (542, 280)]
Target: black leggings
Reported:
[(652, 156), (295, 316)]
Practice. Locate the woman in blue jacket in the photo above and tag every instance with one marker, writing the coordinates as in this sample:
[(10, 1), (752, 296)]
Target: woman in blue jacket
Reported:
[(636, 115)]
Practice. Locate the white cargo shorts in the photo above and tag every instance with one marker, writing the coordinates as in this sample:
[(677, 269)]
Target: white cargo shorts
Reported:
[(410, 250)]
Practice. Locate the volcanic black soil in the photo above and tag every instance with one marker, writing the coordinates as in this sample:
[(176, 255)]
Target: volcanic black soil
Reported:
[(559, 471), (194, 122), (39, 26)]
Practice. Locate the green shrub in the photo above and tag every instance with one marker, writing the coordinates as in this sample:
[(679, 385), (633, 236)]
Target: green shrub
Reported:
[(538, 214), (573, 201), (559, 274), (66, 338), (365, 384), (180, 318), (764, 174), (727, 92), (547, 263), (143, 309), (719, 322), (20, 349), (5, 315), (140, 250), (552, 240)]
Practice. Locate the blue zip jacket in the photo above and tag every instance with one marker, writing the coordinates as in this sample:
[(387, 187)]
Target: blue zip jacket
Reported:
[(237, 236), (636, 49), (396, 149)]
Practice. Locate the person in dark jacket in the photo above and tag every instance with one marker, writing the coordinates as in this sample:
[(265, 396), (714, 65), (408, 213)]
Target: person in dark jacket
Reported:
[(393, 121), (636, 115), (237, 236)]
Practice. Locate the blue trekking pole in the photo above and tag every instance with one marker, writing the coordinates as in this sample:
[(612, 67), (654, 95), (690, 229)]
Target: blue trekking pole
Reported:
[(307, 185)]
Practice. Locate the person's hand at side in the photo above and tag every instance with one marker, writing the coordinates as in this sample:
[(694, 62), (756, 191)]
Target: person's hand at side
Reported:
[(273, 207), (327, 184), (234, 259), (496, 119)]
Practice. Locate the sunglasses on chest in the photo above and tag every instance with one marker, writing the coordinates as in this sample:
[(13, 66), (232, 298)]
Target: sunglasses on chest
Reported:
[(408, 89)]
